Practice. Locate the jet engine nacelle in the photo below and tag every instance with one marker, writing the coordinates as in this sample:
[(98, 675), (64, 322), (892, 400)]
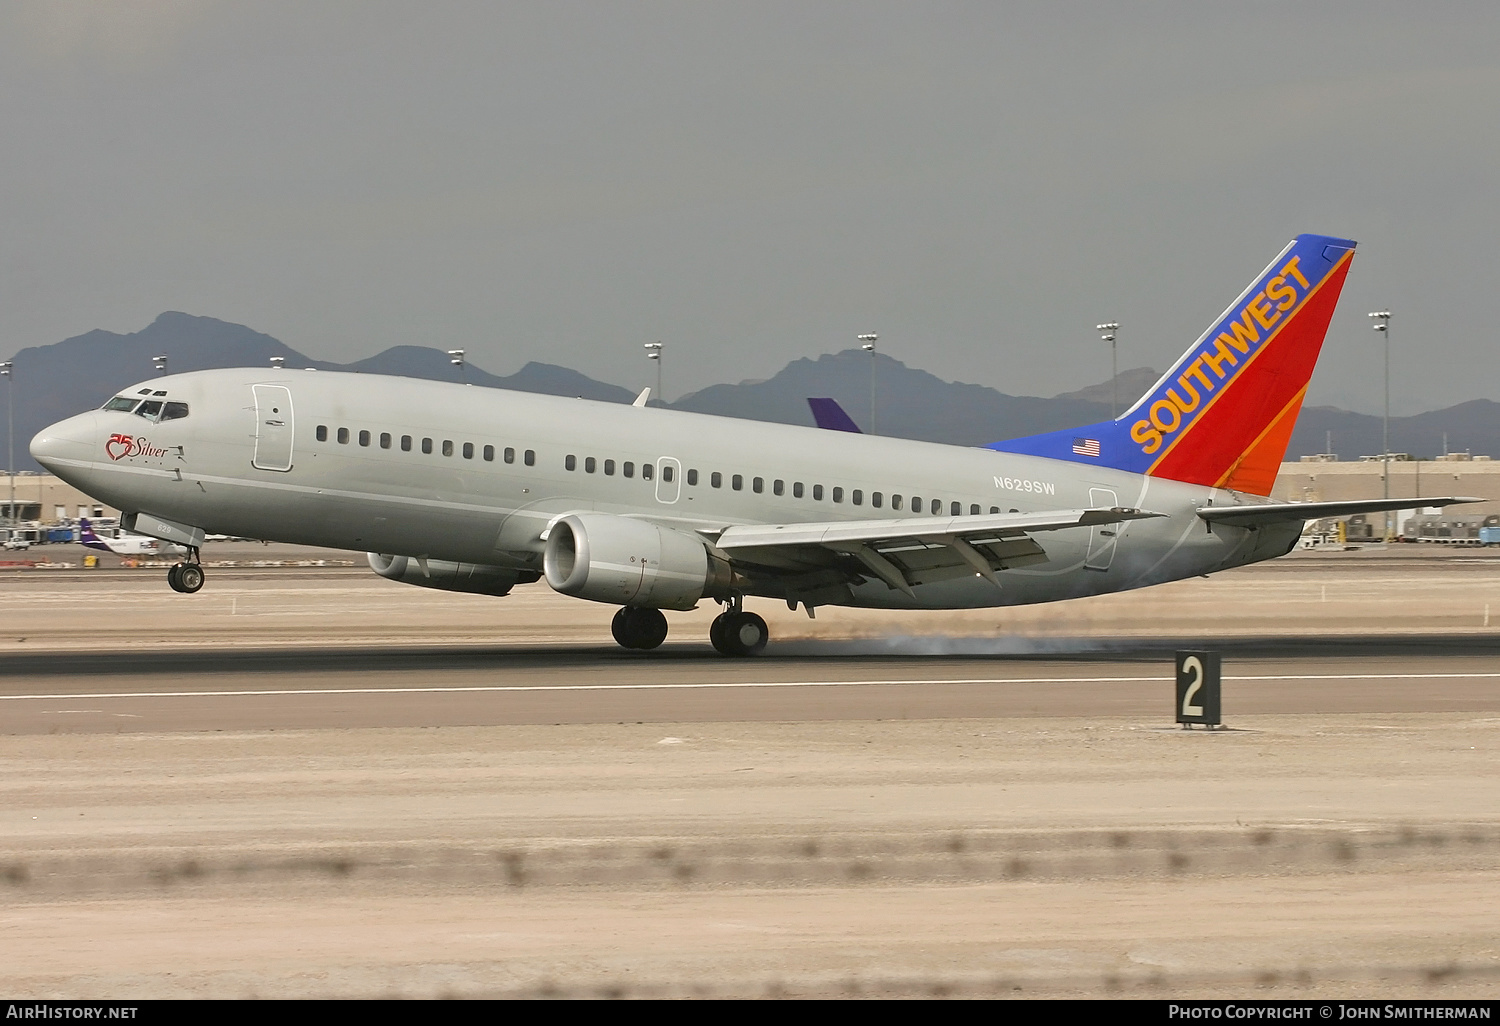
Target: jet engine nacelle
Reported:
[(475, 578), (631, 562)]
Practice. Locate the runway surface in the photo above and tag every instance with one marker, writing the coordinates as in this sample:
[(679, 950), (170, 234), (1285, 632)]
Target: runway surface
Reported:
[(309, 781)]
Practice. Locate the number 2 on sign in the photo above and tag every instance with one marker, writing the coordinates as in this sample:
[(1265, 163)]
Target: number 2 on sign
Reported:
[(1193, 665)]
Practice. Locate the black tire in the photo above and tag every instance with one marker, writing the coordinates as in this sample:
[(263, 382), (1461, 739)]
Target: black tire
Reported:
[(639, 629), (745, 634), (174, 580), (189, 578), (716, 635)]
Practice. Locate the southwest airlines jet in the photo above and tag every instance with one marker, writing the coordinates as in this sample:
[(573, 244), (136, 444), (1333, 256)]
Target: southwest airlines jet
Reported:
[(479, 490)]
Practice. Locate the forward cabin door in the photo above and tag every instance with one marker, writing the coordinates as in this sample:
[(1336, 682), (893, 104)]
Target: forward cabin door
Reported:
[(273, 427), (1102, 537)]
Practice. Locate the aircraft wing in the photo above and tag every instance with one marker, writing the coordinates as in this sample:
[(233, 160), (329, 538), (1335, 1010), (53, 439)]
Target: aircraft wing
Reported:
[(912, 550), (1287, 512)]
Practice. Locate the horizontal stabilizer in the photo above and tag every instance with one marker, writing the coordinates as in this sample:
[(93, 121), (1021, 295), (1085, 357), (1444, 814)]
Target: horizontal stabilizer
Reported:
[(1289, 512)]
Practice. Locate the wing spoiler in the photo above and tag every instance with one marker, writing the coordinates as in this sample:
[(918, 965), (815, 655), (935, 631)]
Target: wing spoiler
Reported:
[(747, 536), (1288, 512)]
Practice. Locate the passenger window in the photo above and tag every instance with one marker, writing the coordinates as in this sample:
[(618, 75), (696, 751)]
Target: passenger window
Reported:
[(974, 510), (857, 497), (343, 436), (716, 479), (758, 485), (876, 499), (778, 487), (447, 447), (468, 450), (489, 454), (647, 470), (666, 472), (530, 458), (692, 477), (589, 464), (364, 438), (427, 446), (954, 510), (406, 443), (385, 439), (121, 404), (994, 509), (895, 501), (838, 495), (174, 411), (628, 469), (737, 482), (322, 432), (151, 407), (609, 468), (817, 493), (570, 462), (796, 489), (510, 455)]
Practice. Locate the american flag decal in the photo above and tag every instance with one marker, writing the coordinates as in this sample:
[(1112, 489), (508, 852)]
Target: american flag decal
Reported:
[(1086, 447)]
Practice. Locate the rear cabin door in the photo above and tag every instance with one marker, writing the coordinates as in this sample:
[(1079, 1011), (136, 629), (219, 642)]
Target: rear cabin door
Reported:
[(273, 427), (1102, 537)]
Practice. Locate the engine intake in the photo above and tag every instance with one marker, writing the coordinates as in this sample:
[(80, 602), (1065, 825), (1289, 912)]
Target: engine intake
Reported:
[(475, 578), (629, 562)]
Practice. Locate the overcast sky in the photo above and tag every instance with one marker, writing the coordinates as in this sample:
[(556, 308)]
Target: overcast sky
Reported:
[(980, 183)]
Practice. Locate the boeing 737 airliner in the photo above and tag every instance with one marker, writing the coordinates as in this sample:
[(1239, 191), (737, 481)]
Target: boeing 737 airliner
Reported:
[(479, 490)]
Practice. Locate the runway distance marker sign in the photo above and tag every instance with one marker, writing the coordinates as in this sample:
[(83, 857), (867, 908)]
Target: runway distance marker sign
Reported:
[(1198, 689)]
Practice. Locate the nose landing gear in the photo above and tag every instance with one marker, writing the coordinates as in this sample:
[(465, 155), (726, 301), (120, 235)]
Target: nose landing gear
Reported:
[(187, 578), (735, 632)]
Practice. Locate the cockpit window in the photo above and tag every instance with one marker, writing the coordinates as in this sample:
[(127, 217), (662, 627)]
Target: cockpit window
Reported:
[(174, 411), (149, 409), (121, 404), (144, 391)]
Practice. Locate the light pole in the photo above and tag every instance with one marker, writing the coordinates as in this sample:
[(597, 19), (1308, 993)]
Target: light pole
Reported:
[(160, 362), (867, 343), (6, 369), (456, 358), (1383, 325), (653, 352), (1107, 334)]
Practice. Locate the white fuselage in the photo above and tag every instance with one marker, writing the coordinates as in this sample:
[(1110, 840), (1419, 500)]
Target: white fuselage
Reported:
[(317, 473)]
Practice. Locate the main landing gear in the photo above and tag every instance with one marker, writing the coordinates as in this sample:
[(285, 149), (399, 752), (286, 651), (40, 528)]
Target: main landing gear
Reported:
[(187, 577), (734, 632), (638, 628)]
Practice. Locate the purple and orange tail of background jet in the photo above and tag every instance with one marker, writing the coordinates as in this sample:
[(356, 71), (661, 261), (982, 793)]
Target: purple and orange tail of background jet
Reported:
[(1223, 415)]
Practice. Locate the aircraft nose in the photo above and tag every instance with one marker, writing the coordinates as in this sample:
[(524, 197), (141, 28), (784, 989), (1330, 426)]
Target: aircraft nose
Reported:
[(67, 441)]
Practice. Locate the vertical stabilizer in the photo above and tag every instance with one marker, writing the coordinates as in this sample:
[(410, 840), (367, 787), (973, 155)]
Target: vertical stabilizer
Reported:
[(1223, 415)]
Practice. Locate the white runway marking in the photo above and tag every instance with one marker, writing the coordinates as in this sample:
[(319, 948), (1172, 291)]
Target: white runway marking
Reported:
[(709, 686)]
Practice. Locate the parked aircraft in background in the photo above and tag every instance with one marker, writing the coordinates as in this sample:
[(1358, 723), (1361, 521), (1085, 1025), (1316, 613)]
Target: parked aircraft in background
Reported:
[(479, 490), (124, 543)]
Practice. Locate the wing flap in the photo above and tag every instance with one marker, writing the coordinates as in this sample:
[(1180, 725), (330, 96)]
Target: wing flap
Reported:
[(911, 551)]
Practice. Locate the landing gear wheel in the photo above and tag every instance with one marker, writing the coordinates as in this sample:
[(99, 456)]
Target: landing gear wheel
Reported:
[(189, 577), (639, 629), (739, 634), (174, 576)]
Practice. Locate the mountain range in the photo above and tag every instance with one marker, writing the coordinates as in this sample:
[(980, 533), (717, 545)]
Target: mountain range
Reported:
[(79, 373)]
